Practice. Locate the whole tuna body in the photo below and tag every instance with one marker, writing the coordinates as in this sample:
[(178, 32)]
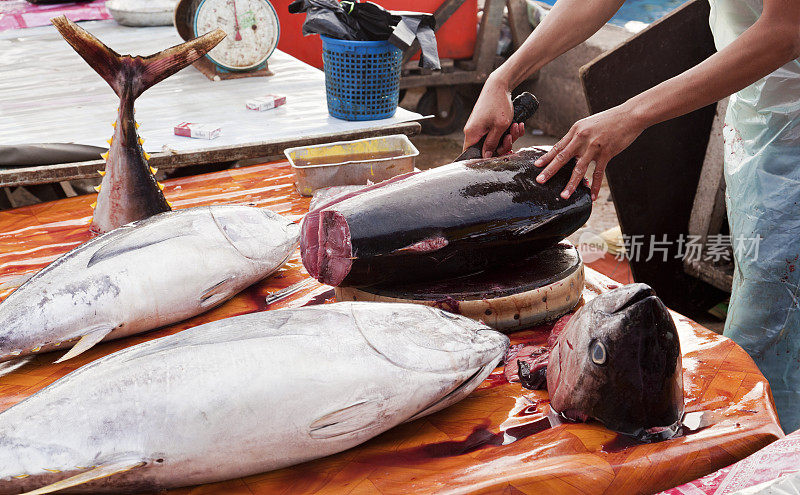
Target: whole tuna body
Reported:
[(449, 221), (242, 396), (143, 275), (618, 360)]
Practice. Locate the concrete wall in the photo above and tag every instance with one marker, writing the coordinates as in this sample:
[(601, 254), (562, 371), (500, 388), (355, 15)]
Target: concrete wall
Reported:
[(558, 85)]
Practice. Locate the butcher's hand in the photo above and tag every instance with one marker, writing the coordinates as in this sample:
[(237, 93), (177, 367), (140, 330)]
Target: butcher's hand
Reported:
[(597, 138), (491, 117)]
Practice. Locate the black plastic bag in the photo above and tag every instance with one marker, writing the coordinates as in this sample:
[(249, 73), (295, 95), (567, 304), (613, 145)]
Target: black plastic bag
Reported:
[(326, 17), (350, 20)]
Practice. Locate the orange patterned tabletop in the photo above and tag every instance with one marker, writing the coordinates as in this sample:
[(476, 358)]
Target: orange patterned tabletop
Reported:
[(495, 441)]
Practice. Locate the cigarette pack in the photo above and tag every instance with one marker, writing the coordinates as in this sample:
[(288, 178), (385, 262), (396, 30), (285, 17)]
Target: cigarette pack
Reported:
[(267, 102), (198, 131)]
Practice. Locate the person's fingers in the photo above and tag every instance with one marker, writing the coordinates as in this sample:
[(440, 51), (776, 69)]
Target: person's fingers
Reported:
[(597, 177), (579, 172), (516, 131), (492, 141), (550, 155), (561, 157), (505, 145)]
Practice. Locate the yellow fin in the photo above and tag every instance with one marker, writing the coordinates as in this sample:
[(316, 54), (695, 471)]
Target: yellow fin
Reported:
[(137, 124), (101, 172), (160, 185), (147, 156), (109, 140), (153, 170), (102, 471), (104, 155), (141, 141), (92, 337), (114, 125), (97, 188), (93, 205)]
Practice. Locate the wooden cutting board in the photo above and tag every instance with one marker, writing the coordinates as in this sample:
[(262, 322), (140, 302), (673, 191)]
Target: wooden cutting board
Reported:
[(519, 295)]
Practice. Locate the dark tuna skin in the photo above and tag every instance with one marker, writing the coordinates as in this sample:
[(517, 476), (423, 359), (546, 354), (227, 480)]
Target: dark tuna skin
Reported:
[(449, 221), (618, 361)]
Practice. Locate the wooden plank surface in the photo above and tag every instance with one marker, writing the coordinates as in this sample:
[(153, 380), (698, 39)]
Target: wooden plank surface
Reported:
[(492, 442), (168, 161)]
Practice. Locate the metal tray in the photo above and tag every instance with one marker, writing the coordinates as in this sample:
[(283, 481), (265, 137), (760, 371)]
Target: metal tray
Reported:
[(349, 162)]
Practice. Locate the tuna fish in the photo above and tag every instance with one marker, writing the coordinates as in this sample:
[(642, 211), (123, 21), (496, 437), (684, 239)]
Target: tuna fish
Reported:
[(618, 361), (241, 396), (129, 190), (449, 221), (141, 276)]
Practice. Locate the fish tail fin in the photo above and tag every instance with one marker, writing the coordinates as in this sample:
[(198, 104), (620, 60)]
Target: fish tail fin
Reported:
[(97, 473), (139, 73)]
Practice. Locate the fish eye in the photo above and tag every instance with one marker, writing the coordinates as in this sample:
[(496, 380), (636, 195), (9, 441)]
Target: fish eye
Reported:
[(598, 352)]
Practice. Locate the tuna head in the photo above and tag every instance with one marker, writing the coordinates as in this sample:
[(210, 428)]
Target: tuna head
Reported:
[(257, 233), (460, 351), (618, 361)]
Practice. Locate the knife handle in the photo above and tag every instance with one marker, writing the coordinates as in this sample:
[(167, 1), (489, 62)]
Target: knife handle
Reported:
[(525, 105)]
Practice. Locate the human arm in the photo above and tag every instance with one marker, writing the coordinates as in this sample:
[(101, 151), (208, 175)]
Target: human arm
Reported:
[(569, 23), (772, 41)]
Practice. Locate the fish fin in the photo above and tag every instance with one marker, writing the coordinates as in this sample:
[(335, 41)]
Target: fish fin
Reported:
[(102, 471), (347, 420), (144, 71), (97, 188), (87, 342), (216, 293), (104, 156), (7, 367), (132, 240)]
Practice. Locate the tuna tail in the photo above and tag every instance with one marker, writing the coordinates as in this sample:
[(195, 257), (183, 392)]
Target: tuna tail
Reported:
[(129, 190), (138, 73)]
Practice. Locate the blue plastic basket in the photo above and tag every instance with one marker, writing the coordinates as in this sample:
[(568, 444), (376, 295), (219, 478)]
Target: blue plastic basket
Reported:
[(362, 78)]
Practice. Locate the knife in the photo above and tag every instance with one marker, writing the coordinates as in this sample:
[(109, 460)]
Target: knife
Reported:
[(525, 105)]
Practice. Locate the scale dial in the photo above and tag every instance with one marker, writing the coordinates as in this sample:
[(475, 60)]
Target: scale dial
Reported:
[(251, 25)]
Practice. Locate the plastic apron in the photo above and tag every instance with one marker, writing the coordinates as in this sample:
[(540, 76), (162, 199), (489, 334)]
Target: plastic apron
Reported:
[(762, 174)]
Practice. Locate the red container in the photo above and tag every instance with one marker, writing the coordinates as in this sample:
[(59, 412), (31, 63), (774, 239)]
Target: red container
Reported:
[(455, 39)]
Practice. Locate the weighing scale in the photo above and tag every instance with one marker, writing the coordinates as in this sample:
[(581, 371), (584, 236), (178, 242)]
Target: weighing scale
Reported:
[(252, 29)]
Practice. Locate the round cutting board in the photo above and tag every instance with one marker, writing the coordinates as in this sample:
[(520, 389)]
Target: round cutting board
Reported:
[(519, 295)]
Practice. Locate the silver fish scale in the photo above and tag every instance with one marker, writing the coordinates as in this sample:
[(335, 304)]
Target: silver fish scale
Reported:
[(145, 275), (241, 396)]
